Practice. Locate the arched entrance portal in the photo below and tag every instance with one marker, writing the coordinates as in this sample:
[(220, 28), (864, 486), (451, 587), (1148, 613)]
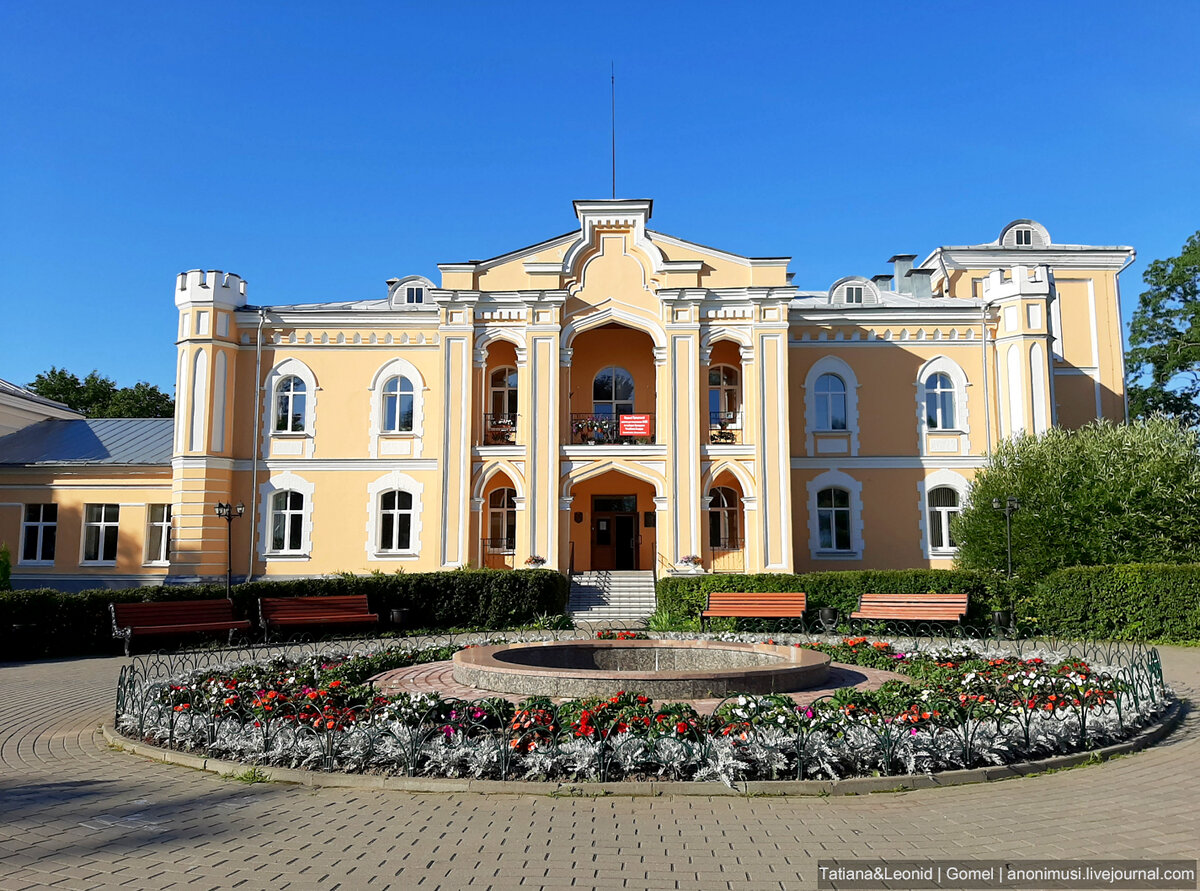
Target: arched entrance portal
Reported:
[(612, 523)]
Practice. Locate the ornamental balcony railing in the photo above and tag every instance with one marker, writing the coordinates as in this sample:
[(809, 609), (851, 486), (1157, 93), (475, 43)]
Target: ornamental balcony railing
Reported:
[(635, 428), (499, 429), (728, 556), (725, 427), (499, 553)]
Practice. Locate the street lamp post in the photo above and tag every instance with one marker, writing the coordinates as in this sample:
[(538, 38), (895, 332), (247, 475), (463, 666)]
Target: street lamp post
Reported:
[(1008, 507), (227, 512)]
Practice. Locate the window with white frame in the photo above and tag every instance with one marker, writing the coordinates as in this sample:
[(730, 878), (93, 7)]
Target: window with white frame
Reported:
[(39, 533), (100, 522), (831, 402), (290, 397), (395, 521), (833, 520), (398, 405), (287, 522), (1024, 237), (854, 294), (724, 395), (724, 529), (502, 521), (943, 508), (158, 533), (612, 392), (414, 294), (939, 402), (502, 392)]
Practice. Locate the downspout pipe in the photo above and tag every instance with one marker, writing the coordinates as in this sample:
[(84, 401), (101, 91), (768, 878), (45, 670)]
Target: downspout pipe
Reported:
[(262, 317)]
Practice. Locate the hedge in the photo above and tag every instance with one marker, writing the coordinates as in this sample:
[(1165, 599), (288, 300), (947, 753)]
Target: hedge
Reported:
[(686, 595), (1136, 601), (43, 622)]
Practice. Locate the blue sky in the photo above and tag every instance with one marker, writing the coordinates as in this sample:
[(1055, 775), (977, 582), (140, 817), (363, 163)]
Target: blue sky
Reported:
[(318, 150)]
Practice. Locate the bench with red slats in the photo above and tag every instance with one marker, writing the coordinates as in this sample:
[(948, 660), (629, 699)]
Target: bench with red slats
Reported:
[(339, 609), (912, 607), (740, 604), (173, 617)]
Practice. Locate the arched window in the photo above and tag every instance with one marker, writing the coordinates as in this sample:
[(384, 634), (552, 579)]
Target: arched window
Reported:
[(831, 402), (724, 394), (289, 405), (502, 521), (612, 392), (724, 527), (833, 520), (939, 402), (943, 507), (398, 405), (502, 392), (287, 521), (395, 520)]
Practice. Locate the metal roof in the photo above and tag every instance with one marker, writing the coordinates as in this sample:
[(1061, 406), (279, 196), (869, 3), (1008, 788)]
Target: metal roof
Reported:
[(8, 388), (91, 441)]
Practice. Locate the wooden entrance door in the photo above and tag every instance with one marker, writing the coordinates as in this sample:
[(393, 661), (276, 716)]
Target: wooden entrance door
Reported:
[(614, 532)]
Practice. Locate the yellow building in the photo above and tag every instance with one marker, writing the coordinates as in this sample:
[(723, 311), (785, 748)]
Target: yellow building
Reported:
[(612, 399)]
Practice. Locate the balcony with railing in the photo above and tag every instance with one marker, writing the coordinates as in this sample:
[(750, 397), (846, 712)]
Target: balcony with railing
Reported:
[(499, 429), (725, 428), (499, 553), (727, 556), (607, 429)]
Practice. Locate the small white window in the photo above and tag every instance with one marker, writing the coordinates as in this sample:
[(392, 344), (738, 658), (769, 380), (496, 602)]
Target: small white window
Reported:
[(939, 402), (287, 522), (833, 520), (943, 507), (854, 294), (724, 530), (289, 405), (100, 523), (831, 403), (398, 405), (502, 521), (395, 521), (414, 295), (39, 533), (158, 533), (1024, 237), (724, 396)]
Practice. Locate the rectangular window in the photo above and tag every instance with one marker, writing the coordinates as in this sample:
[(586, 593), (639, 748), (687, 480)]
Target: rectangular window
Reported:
[(414, 295), (1024, 236), (39, 532), (158, 533), (100, 533), (854, 294)]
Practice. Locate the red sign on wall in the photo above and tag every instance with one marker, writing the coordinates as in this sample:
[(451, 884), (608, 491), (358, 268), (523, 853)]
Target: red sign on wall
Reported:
[(635, 425)]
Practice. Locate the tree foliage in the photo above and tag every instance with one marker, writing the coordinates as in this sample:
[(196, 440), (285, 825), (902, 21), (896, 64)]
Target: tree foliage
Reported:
[(1164, 338), (1105, 493), (99, 397)]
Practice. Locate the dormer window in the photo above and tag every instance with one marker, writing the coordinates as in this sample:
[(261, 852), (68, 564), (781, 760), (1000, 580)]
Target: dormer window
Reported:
[(414, 295), (1024, 237), (854, 294)]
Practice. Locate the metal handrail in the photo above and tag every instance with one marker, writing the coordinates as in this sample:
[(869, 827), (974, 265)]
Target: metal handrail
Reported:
[(606, 429), (499, 428), (725, 427)]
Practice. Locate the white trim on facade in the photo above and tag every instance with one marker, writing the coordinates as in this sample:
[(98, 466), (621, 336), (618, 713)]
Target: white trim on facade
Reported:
[(406, 444), (962, 420), (835, 479), (280, 482), (839, 367), (400, 482), (935, 480)]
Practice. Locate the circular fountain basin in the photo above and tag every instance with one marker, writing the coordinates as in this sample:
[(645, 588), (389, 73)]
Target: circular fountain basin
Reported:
[(660, 669)]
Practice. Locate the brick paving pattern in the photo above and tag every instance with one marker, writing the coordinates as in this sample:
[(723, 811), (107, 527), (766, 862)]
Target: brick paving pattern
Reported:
[(76, 814)]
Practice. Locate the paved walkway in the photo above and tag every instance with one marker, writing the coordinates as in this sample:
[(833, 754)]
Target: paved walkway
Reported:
[(74, 814)]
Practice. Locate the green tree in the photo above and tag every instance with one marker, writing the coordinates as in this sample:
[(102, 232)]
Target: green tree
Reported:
[(1164, 338), (1105, 493), (99, 397), (5, 568)]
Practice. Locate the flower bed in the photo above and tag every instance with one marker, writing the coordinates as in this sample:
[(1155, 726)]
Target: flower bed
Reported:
[(962, 706)]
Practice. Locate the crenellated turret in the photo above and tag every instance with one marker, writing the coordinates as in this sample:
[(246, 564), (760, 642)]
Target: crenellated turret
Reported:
[(222, 289)]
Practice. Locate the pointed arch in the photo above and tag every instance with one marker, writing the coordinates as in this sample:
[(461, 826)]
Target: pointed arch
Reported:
[(489, 472), (595, 469), (735, 468), (611, 314)]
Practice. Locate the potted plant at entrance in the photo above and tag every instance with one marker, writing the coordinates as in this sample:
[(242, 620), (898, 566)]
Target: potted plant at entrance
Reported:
[(533, 561), (691, 564)]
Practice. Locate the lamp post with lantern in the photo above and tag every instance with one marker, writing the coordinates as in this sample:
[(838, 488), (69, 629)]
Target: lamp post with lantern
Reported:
[(227, 512)]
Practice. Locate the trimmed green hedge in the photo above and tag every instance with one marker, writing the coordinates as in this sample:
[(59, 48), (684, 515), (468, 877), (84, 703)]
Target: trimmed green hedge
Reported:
[(41, 622), (1137, 601), (685, 596)]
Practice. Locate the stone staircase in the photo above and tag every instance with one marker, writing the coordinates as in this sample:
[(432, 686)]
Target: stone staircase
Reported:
[(601, 596)]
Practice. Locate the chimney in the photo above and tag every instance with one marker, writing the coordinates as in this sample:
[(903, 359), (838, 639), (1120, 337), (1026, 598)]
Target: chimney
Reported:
[(882, 282), (902, 263), (920, 285)]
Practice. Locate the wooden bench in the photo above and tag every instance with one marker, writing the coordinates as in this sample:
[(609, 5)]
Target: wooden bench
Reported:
[(740, 604), (340, 609), (912, 607), (173, 617)]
